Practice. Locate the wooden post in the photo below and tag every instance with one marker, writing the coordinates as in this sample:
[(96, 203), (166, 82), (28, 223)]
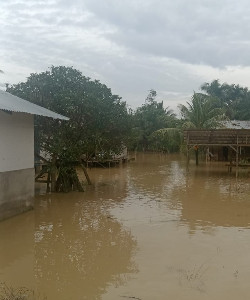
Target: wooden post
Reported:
[(237, 158), (237, 161), (196, 157), (187, 155), (53, 174), (196, 149), (48, 182)]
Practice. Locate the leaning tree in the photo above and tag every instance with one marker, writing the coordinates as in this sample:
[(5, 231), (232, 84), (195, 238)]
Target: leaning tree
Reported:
[(98, 120)]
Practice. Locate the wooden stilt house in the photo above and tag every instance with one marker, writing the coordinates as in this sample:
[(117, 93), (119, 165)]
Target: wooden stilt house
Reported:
[(235, 137)]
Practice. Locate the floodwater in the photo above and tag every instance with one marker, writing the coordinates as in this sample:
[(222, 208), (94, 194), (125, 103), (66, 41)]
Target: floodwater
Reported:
[(149, 230)]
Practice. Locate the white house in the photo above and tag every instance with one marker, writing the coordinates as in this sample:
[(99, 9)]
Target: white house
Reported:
[(17, 153)]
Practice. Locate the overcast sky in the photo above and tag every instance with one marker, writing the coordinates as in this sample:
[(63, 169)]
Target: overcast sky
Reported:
[(132, 46)]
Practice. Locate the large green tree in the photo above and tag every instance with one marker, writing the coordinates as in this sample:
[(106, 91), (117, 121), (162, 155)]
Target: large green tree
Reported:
[(148, 118), (98, 119), (234, 98)]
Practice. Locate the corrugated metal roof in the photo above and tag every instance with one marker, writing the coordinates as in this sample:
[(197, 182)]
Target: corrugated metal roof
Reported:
[(13, 103), (235, 124)]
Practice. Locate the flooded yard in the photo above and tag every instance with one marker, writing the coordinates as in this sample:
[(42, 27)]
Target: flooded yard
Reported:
[(149, 230)]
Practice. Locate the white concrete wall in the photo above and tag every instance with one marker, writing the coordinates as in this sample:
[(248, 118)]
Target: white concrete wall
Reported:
[(16, 192), (16, 141)]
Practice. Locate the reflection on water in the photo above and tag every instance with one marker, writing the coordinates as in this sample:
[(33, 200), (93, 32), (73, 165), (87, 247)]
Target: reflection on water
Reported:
[(80, 248), (152, 229)]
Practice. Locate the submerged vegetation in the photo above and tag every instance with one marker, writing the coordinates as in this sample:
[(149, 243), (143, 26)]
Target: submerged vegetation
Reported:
[(100, 122)]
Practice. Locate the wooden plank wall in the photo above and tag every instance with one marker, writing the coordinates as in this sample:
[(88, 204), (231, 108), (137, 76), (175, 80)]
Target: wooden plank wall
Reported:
[(233, 137)]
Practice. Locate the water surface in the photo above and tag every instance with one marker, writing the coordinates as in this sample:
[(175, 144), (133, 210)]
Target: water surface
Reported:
[(150, 229)]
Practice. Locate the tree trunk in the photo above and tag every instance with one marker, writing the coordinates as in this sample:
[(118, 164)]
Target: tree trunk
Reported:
[(68, 180), (86, 174)]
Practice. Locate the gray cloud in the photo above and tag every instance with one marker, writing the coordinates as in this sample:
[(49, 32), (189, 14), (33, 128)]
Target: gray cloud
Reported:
[(132, 46), (200, 32)]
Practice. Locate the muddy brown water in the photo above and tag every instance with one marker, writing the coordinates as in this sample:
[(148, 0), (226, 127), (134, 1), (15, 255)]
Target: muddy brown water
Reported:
[(151, 230)]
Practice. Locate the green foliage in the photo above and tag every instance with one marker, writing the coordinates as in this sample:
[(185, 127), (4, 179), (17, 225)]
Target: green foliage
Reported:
[(202, 112), (234, 98), (242, 110), (148, 118), (98, 119), (166, 140)]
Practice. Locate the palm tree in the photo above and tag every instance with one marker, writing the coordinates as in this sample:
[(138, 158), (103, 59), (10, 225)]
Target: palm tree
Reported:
[(202, 112)]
